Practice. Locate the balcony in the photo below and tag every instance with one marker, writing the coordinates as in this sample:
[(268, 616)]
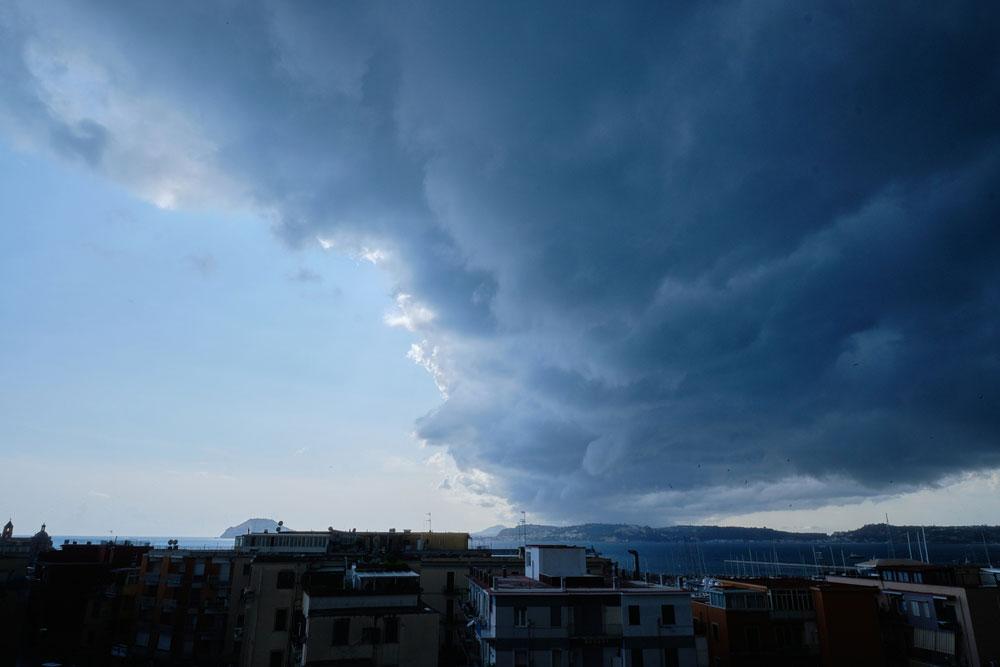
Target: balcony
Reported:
[(583, 631), (484, 630)]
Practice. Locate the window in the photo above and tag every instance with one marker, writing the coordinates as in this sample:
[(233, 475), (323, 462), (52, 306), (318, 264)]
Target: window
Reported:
[(520, 617), (914, 608), (520, 659), (450, 585), (715, 631), (449, 609), (163, 641), (667, 615), (671, 657), (391, 625), (286, 579), (370, 635), (753, 637), (555, 616), (636, 657), (246, 569), (280, 620), (527, 559), (633, 614), (341, 631), (556, 658), (277, 659)]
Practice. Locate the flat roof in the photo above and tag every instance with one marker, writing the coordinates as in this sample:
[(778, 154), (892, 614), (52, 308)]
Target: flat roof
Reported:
[(386, 574), (554, 546), (522, 584)]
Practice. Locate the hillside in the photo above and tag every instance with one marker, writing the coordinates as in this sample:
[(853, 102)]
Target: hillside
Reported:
[(610, 532), (492, 531)]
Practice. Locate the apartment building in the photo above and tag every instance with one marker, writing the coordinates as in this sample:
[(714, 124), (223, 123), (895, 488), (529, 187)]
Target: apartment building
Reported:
[(350, 541), (185, 608), (444, 584), (270, 625), (374, 617), (80, 598), (787, 621), (935, 614), (558, 614)]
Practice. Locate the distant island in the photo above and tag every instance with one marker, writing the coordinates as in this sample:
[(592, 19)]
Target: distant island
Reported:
[(253, 526), (616, 532)]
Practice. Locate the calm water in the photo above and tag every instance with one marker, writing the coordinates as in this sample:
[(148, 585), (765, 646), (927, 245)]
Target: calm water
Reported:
[(679, 557), (711, 557)]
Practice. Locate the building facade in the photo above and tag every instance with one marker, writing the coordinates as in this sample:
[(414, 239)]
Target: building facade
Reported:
[(557, 614), (935, 614), (790, 622), (185, 609), (376, 617)]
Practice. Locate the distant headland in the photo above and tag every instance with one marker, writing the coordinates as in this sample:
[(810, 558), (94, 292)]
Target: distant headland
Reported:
[(616, 532)]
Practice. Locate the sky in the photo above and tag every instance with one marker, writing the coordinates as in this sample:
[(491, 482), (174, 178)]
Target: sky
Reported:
[(348, 264)]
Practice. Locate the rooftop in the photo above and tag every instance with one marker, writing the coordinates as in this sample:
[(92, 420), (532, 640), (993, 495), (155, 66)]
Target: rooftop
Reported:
[(523, 584)]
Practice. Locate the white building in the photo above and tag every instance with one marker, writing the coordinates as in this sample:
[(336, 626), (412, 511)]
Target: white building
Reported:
[(558, 615), (289, 542)]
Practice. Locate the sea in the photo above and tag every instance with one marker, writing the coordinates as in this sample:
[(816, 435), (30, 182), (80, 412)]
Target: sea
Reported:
[(732, 558), (718, 557)]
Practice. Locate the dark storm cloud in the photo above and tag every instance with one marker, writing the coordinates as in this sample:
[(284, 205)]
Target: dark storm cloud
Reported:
[(666, 262)]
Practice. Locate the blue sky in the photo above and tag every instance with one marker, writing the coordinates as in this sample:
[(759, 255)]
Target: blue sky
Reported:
[(733, 262), (195, 352)]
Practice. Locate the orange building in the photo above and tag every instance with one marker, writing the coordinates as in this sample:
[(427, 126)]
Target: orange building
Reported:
[(789, 622)]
